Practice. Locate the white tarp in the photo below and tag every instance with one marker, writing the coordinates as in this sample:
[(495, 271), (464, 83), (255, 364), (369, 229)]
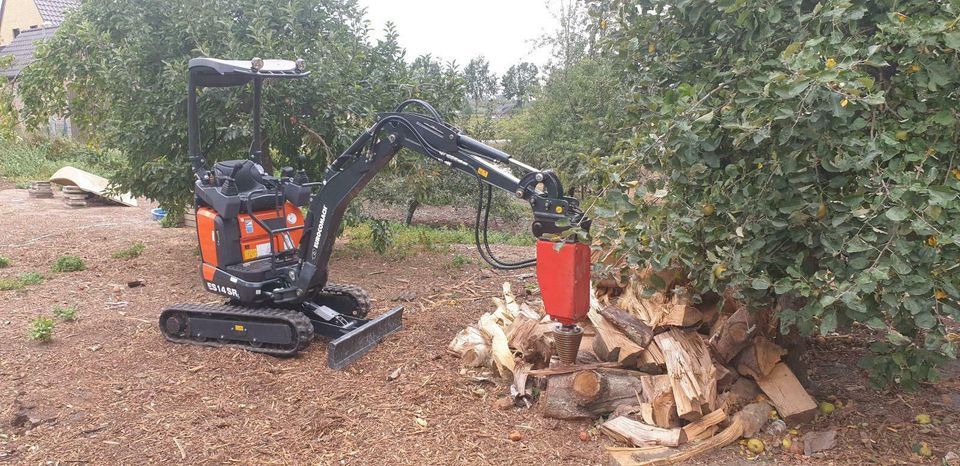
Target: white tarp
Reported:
[(70, 176)]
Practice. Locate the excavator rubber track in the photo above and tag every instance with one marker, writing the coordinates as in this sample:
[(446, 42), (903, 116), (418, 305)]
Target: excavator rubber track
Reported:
[(349, 300), (263, 330)]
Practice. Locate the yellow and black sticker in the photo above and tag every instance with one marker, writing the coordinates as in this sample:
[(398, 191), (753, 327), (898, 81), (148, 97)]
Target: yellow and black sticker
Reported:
[(249, 254), (239, 328), (483, 172)]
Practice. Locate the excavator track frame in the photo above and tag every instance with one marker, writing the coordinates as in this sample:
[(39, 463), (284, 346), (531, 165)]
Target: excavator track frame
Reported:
[(223, 325)]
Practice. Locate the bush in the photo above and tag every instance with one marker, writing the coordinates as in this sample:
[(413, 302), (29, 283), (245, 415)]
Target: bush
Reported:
[(41, 329), (68, 264), (380, 236), (67, 314), (130, 252), (798, 150), (4, 262)]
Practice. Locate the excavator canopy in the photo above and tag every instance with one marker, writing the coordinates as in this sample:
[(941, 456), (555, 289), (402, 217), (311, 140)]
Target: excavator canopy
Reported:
[(214, 72)]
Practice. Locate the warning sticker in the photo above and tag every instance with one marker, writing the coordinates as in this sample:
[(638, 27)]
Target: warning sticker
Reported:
[(249, 254), (248, 225), (263, 249)]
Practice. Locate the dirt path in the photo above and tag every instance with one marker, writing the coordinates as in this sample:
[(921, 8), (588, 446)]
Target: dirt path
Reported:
[(110, 390)]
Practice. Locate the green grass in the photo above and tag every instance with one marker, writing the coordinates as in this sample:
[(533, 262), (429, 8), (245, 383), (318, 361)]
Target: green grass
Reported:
[(406, 239), (66, 314), (459, 261), (20, 282), (134, 250), (31, 278), (68, 264), (4, 262), (41, 328)]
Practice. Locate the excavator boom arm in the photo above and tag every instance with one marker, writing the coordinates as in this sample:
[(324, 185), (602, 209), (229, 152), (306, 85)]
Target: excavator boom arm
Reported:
[(554, 213)]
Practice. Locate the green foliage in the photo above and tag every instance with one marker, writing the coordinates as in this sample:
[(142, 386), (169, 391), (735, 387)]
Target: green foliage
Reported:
[(68, 264), (380, 235), (118, 69), (173, 219), (30, 278), (459, 261), (4, 262), (797, 149), (65, 313), (479, 82), (9, 115), (405, 239), (21, 281), (134, 250), (520, 82), (32, 158), (552, 131), (8, 284), (41, 329)]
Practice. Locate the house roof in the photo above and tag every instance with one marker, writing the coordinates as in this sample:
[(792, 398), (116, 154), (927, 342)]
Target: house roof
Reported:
[(55, 10), (22, 49)]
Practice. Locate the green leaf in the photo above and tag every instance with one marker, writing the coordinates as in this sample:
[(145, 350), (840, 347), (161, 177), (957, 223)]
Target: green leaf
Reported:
[(858, 245), (897, 214), (828, 323), (941, 195), (952, 39), (760, 284), (793, 90), (897, 338), (944, 118), (925, 320)]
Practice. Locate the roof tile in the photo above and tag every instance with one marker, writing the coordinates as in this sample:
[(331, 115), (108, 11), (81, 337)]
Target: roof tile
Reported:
[(22, 49)]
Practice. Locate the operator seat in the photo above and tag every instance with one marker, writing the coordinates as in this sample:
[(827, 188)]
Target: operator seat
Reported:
[(249, 180)]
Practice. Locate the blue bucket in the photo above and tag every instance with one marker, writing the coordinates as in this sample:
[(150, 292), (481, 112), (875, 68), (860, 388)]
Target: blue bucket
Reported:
[(158, 214)]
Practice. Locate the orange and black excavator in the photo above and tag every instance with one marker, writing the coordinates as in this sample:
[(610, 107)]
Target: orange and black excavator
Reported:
[(270, 261)]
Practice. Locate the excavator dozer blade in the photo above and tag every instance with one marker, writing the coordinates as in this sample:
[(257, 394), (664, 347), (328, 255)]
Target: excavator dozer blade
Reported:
[(350, 347)]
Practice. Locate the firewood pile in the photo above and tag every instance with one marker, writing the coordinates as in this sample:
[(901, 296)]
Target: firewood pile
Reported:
[(672, 379)]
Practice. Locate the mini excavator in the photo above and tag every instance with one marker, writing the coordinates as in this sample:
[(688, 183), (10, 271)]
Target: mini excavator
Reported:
[(270, 260)]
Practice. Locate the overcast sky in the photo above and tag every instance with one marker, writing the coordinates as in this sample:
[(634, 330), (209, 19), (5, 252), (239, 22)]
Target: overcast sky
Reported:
[(459, 30)]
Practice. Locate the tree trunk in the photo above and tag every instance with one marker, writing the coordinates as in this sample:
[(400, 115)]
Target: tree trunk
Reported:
[(411, 208)]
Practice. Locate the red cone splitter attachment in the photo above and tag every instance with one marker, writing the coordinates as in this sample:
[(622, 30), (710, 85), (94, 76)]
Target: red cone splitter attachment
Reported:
[(564, 278)]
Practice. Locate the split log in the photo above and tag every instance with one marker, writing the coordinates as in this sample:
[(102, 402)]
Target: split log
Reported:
[(616, 346), (732, 336), (725, 376), (696, 428), (519, 388), (667, 456), (758, 359), (588, 394), (691, 372), (499, 349), (793, 403), (658, 407), (631, 326), (661, 312), (532, 336), (472, 346), (639, 434)]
